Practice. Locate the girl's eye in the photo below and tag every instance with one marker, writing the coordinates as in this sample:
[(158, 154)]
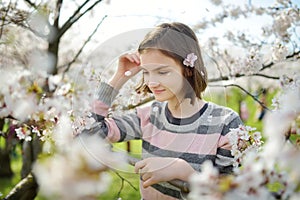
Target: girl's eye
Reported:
[(163, 72)]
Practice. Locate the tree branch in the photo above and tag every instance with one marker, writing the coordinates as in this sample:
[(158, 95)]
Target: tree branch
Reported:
[(132, 106), (25, 189), (266, 66), (295, 54), (84, 44), (57, 13), (122, 183), (267, 76), (31, 4), (216, 63), (244, 90), (71, 18), (75, 17)]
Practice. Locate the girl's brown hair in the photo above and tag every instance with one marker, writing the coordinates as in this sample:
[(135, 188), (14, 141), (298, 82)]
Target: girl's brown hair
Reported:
[(177, 40)]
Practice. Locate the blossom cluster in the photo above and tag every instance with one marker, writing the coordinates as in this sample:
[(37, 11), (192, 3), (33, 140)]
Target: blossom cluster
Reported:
[(244, 139), (78, 171)]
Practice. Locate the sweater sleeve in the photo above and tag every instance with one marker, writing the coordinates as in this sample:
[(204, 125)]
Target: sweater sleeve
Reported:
[(117, 128), (224, 160)]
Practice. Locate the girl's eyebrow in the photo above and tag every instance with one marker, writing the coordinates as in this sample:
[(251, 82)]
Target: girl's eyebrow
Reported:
[(157, 68)]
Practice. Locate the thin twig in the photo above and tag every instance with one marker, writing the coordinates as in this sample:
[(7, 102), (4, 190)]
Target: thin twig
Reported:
[(133, 106), (216, 63), (57, 13), (295, 54), (124, 179), (122, 186), (267, 76), (71, 18), (84, 44), (75, 17), (31, 4), (244, 90), (3, 19)]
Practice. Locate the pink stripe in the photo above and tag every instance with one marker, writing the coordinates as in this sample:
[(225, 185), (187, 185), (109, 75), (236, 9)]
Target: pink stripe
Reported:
[(224, 143), (100, 108), (144, 114), (188, 142), (150, 193), (114, 134)]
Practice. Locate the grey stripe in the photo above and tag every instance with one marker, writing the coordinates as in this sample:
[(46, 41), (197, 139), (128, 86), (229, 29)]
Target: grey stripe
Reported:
[(224, 160), (106, 93), (194, 159), (234, 123), (211, 121), (168, 191)]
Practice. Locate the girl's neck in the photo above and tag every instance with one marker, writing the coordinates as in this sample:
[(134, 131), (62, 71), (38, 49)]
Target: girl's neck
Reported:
[(184, 108)]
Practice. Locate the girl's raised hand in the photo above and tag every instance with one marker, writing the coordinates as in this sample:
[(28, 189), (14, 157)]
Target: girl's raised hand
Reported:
[(129, 62), (129, 65)]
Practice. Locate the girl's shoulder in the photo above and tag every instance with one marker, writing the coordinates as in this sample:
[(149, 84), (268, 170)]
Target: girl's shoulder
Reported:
[(222, 111), (150, 108)]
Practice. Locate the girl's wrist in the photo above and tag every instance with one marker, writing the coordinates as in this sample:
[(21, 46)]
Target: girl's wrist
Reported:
[(185, 170), (117, 82)]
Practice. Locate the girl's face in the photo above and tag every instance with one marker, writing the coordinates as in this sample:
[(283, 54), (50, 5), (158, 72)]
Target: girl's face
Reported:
[(163, 76)]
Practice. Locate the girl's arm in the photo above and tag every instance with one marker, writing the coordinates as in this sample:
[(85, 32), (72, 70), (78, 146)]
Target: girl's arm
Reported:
[(121, 128), (115, 129)]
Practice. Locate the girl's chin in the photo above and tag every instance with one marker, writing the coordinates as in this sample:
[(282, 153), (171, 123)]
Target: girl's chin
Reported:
[(157, 98)]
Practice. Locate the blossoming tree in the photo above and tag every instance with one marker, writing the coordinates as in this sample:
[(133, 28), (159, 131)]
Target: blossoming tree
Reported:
[(45, 106)]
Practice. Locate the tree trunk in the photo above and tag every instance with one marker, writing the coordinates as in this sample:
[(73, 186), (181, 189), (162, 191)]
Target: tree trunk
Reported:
[(53, 51), (31, 150), (5, 167)]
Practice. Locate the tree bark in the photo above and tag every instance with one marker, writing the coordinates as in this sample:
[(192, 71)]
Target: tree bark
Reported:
[(53, 51), (26, 189), (5, 167), (31, 150)]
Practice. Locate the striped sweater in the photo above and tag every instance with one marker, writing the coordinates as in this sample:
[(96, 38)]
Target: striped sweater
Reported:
[(195, 139)]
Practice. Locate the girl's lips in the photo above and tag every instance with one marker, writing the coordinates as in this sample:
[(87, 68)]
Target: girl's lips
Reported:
[(158, 91)]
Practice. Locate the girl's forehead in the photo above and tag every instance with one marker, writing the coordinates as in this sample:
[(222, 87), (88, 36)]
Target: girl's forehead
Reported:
[(155, 59)]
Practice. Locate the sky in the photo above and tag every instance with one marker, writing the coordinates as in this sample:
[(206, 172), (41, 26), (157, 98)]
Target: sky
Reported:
[(129, 15), (124, 15)]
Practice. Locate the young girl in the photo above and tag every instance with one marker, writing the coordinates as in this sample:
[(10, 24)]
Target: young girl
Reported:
[(179, 130)]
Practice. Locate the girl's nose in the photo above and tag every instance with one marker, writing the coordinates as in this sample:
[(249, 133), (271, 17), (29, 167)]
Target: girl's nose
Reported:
[(153, 84)]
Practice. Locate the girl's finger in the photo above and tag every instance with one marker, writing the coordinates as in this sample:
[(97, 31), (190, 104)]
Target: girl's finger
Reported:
[(129, 57), (145, 177), (136, 58), (148, 182), (139, 165)]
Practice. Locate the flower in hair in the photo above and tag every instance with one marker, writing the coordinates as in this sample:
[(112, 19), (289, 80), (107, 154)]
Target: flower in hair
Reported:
[(190, 60)]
